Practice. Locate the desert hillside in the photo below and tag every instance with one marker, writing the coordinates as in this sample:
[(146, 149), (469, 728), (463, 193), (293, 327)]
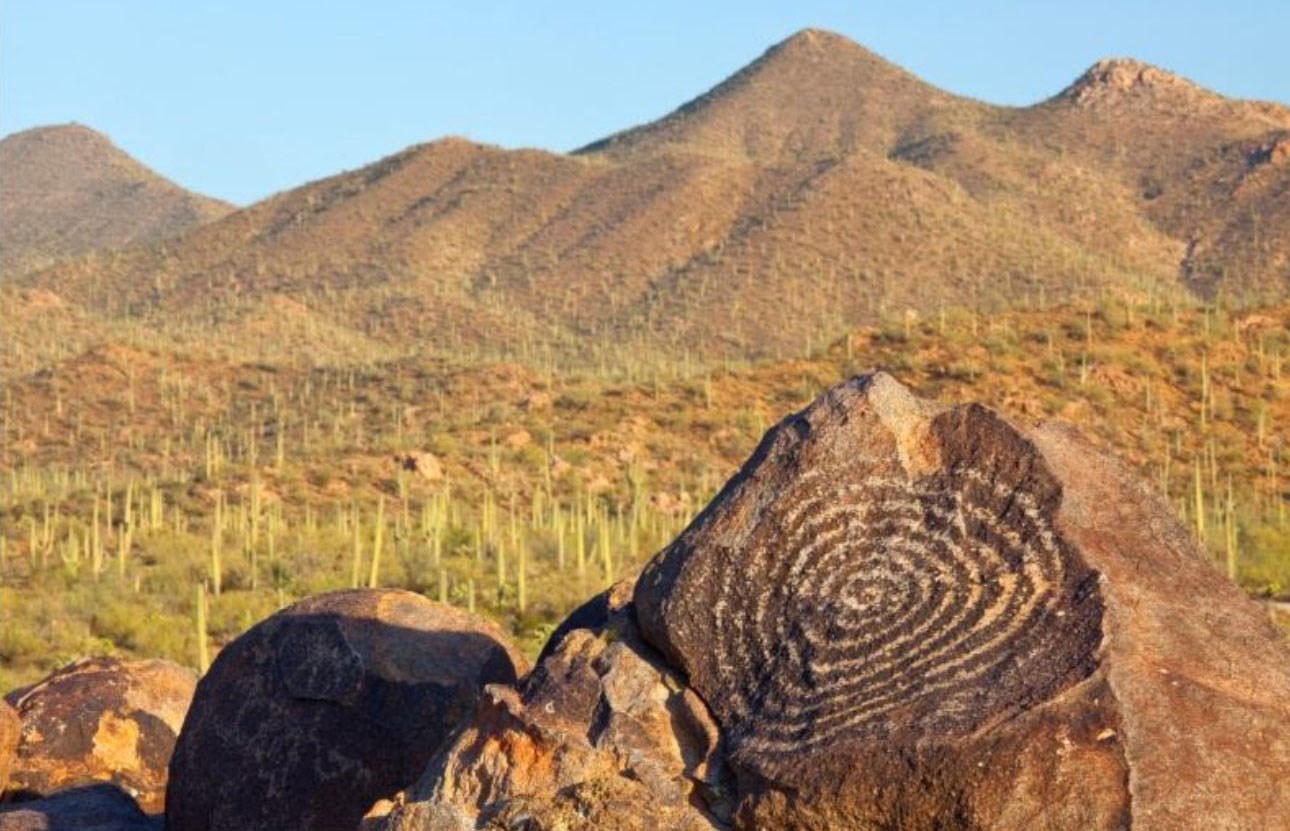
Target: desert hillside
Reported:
[(136, 473), (68, 191)]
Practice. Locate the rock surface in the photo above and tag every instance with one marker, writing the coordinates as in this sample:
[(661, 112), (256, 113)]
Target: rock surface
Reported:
[(915, 617), (104, 720), (10, 729), (311, 716), (600, 736), (101, 807)]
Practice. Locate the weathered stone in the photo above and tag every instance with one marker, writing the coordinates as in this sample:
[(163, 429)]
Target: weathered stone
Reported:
[(311, 716), (915, 617), (426, 465), (102, 720), (10, 730), (100, 807), (600, 736)]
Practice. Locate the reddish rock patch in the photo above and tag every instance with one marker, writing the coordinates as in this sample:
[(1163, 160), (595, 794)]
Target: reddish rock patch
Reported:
[(102, 720)]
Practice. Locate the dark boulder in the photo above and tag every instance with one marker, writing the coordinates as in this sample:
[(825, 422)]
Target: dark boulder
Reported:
[(101, 807), (313, 715)]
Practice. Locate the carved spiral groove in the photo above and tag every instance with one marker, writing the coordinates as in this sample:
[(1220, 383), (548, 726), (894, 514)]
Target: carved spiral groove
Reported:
[(880, 604)]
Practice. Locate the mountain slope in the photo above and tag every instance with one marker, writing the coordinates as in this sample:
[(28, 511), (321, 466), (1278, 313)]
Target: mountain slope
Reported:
[(68, 191), (1211, 172), (821, 187)]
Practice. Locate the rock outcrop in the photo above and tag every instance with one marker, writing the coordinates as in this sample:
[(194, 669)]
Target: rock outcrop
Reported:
[(102, 720), (600, 736), (314, 714), (100, 807), (916, 617)]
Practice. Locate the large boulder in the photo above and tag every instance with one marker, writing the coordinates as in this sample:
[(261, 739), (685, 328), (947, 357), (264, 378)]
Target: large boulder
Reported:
[(102, 720), (10, 730), (917, 617), (312, 715), (100, 807), (601, 735)]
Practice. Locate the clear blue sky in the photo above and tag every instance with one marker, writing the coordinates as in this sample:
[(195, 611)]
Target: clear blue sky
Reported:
[(241, 99)]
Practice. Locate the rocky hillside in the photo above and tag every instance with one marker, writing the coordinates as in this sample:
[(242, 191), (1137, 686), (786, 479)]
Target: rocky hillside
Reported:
[(68, 191)]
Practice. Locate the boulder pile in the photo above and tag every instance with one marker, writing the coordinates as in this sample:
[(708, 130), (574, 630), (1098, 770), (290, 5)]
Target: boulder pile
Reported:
[(900, 615), (600, 735)]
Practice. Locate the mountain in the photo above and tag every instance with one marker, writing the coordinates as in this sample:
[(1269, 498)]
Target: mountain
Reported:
[(818, 188), (1209, 171), (68, 191)]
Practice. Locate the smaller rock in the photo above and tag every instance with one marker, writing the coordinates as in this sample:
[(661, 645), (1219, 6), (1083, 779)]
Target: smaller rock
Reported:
[(376, 815), (100, 807), (559, 467), (1275, 152), (426, 465), (102, 720), (520, 438), (601, 735), (536, 400)]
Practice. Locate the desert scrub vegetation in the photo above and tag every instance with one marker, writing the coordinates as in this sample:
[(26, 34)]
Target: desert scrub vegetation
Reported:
[(159, 502)]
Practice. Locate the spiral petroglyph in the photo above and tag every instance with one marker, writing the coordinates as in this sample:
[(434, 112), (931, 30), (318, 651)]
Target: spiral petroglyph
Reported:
[(914, 591), (873, 596)]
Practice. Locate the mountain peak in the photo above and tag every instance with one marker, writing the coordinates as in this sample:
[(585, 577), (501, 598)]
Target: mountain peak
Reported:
[(823, 49), (1115, 79), (72, 138), (70, 191), (821, 40), (72, 129), (816, 94)]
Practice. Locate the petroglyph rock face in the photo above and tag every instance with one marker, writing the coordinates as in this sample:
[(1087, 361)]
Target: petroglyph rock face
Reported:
[(900, 621), (873, 594), (102, 720), (314, 714)]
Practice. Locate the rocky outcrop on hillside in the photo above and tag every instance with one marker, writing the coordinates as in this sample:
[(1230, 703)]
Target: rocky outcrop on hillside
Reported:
[(311, 716)]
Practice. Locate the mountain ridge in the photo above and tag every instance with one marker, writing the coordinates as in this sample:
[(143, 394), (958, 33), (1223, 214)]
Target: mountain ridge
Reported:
[(756, 219)]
